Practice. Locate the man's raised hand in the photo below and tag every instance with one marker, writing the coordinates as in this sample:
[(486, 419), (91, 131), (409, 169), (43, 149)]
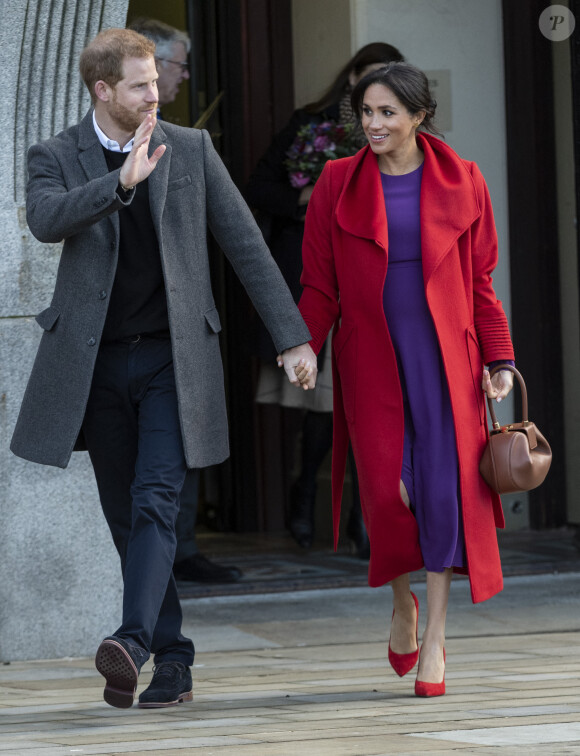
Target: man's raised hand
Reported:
[(138, 165)]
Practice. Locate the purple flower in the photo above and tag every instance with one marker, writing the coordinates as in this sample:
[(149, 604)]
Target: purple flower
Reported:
[(313, 145), (322, 143), (299, 179)]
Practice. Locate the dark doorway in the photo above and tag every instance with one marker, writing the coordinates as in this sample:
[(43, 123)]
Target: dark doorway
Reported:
[(533, 228), (255, 55)]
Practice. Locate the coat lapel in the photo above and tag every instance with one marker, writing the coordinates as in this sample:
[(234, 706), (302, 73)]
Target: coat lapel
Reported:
[(449, 202), (92, 158), (91, 154), (361, 208), (158, 179)]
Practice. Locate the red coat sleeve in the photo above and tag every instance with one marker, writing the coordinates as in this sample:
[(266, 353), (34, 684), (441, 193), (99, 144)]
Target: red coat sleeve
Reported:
[(319, 303), (489, 317)]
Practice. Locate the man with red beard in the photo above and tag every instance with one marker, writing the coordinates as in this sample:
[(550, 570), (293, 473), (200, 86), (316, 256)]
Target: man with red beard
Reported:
[(129, 364)]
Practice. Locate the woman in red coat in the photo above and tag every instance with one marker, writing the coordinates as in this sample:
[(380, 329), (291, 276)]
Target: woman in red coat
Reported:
[(399, 247)]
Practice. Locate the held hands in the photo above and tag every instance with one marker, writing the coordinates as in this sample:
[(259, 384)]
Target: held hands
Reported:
[(499, 386), (300, 366), (138, 165)]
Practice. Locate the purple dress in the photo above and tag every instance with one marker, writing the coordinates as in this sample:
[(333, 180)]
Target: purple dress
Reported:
[(430, 463)]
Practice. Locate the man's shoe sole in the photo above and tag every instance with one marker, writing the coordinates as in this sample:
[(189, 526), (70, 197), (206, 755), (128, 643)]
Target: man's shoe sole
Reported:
[(120, 672), (183, 697)]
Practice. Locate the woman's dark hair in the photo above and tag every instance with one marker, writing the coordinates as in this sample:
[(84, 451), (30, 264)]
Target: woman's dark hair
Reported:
[(369, 55), (410, 86)]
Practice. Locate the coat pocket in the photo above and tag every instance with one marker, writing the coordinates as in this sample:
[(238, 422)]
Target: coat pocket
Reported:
[(476, 366), (47, 318), (213, 319), (179, 183), (344, 344)]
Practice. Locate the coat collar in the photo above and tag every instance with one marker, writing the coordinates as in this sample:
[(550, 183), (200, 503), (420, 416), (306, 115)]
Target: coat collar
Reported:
[(449, 203), (93, 161), (90, 151), (360, 209)]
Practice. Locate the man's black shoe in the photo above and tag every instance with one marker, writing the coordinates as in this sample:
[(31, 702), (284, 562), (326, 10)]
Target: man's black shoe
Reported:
[(171, 685), (199, 569), (119, 662)]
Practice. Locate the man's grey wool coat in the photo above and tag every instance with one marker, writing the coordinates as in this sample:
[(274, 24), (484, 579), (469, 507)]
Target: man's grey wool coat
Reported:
[(72, 196)]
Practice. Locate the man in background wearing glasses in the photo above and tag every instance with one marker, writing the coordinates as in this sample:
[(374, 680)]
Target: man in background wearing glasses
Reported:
[(172, 47)]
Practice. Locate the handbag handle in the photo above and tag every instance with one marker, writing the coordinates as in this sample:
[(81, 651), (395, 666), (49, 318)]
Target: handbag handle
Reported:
[(518, 375)]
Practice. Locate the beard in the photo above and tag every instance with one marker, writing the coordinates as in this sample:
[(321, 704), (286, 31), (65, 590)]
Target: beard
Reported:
[(126, 119)]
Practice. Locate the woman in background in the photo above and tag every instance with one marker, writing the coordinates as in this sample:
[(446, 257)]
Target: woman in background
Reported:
[(282, 208)]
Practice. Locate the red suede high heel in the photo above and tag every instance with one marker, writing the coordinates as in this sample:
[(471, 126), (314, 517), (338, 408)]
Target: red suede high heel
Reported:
[(428, 690), (403, 663)]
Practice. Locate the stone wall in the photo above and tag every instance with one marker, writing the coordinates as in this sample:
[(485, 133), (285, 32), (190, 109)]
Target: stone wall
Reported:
[(60, 588)]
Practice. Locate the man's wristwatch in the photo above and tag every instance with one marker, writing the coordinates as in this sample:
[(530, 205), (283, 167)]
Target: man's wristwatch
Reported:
[(126, 189)]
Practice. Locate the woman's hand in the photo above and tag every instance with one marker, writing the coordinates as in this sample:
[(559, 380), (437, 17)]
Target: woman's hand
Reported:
[(499, 386), (304, 199), (303, 372), (300, 365), (305, 194)]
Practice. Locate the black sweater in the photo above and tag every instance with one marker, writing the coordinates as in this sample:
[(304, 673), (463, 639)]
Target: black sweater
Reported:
[(138, 302)]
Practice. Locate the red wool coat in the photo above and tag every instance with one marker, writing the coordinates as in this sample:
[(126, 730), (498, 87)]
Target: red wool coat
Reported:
[(345, 257)]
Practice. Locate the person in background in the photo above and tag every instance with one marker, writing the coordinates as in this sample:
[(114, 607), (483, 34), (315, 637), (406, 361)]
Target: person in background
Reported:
[(282, 207), (172, 48), (399, 247), (129, 365)]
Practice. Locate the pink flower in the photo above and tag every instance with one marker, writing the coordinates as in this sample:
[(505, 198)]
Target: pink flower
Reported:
[(299, 179)]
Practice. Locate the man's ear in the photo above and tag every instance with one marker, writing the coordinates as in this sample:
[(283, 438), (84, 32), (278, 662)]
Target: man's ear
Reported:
[(103, 91)]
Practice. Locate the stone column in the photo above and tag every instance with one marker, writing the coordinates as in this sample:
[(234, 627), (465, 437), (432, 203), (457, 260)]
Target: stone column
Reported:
[(60, 582)]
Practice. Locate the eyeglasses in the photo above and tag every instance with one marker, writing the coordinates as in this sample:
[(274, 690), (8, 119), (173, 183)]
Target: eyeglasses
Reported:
[(184, 66)]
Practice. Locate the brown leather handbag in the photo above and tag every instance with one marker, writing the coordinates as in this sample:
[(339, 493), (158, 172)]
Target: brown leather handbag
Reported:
[(517, 456)]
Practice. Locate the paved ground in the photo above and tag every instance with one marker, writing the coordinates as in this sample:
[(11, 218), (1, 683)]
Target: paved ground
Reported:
[(306, 673)]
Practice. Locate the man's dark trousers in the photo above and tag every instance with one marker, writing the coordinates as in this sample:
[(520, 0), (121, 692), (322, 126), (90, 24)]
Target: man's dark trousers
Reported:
[(133, 435)]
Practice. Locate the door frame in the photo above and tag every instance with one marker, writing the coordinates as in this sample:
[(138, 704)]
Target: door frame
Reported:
[(533, 234)]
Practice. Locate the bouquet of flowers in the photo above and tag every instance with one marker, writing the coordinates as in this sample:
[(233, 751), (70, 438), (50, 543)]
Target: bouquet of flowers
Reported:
[(313, 146)]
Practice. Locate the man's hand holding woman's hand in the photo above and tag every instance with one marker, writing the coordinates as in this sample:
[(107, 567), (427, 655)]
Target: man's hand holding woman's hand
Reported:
[(499, 386), (300, 365)]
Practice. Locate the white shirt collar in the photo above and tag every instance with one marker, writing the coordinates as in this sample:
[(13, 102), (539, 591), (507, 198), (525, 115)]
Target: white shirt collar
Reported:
[(110, 144)]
